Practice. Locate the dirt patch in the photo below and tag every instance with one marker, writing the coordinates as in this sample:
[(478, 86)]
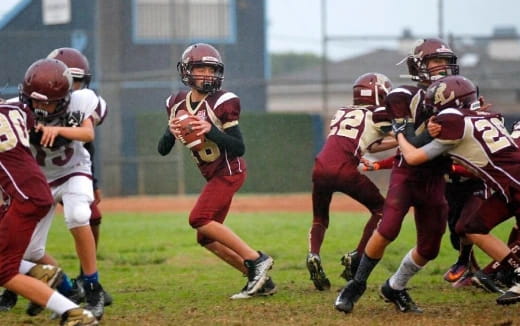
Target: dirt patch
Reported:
[(241, 203)]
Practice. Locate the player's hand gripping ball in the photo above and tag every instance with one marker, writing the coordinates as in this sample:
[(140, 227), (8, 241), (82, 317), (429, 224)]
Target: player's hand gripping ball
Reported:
[(189, 136)]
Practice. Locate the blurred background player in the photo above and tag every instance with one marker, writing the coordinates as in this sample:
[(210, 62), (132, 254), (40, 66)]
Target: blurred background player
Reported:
[(353, 131), (220, 162), (27, 200), (480, 141), (65, 122), (419, 186)]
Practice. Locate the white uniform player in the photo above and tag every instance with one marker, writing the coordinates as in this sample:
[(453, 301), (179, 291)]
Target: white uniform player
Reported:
[(65, 122)]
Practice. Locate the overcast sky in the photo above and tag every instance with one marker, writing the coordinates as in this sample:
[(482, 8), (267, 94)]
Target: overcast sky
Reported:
[(295, 25)]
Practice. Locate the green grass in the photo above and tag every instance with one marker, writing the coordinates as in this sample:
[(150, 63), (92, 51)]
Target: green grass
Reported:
[(158, 275)]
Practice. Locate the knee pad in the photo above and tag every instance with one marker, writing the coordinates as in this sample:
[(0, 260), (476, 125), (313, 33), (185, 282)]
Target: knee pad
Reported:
[(76, 209)]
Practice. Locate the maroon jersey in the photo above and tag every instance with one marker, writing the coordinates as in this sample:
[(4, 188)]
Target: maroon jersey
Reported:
[(482, 144), (407, 102), (222, 109), (352, 130), (20, 175)]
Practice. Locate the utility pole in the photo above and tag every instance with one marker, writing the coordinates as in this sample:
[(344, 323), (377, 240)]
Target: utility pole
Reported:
[(324, 55), (441, 20)]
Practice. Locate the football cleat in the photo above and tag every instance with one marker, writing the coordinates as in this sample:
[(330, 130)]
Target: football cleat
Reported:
[(78, 282), (8, 300), (257, 272), (78, 317), (400, 298), (268, 289), (465, 280), (504, 278), (351, 262), (48, 274), (318, 277), (95, 299), (349, 295), (512, 295), (484, 281), (455, 272)]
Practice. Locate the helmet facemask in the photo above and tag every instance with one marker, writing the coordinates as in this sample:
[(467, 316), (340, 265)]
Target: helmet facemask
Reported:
[(210, 84)]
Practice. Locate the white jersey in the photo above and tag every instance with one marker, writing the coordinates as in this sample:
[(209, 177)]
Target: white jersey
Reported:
[(61, 163), (100, 113)]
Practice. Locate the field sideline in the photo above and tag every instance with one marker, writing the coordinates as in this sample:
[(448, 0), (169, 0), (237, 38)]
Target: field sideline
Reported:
[(158, 275)]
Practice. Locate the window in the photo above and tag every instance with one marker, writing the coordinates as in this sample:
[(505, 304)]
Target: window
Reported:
[(184, 20)]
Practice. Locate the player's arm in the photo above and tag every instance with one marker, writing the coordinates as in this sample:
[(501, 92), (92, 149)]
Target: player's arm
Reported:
[(166, 142), (382, 144), (230, 139), (84, 133), (416, 156)]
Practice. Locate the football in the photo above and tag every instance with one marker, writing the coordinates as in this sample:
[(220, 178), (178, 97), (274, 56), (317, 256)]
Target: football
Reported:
[(189, 136)]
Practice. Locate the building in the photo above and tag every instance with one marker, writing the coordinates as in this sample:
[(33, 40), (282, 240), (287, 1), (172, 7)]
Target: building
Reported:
[(133, 48)]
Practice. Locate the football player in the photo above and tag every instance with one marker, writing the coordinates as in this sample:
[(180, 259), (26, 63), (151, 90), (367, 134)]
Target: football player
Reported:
[(480, 142), (419, 186), (27, 199), (65, 121), (220, 161), (354, 129), (80, 69)]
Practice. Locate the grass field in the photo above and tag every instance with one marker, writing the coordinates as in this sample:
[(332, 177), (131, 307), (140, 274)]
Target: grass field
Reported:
[(158, 275)]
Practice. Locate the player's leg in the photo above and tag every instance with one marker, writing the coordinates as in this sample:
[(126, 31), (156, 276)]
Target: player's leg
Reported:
[(216, 198), (477, 226), (430, 221), (396, 206), (323, 186), (16, 231), (364, 191), (77, 195)]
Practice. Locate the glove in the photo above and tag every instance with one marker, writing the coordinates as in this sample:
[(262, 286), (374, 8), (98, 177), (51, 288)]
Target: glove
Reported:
[(399, 126), (73, 119)]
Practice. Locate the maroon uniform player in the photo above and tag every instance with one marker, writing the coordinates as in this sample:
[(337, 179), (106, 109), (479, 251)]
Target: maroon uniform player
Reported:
[(28, 199), (480, 142), (421, 187), (353, 130), (217, 113)]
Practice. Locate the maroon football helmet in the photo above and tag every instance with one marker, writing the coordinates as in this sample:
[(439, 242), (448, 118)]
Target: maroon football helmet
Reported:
[(426, 49), (371, 89), (201, 54), (456, 92), (46, 80), (76, 61)]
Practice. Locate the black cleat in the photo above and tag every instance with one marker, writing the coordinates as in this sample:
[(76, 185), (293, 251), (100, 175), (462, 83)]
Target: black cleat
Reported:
[(78, 283), (8, 300), (95, 299), (257, 272), (351, 262), (511, 296), (318, 277), (483, 281), (400, 298), (268, 289), (349, 295)]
